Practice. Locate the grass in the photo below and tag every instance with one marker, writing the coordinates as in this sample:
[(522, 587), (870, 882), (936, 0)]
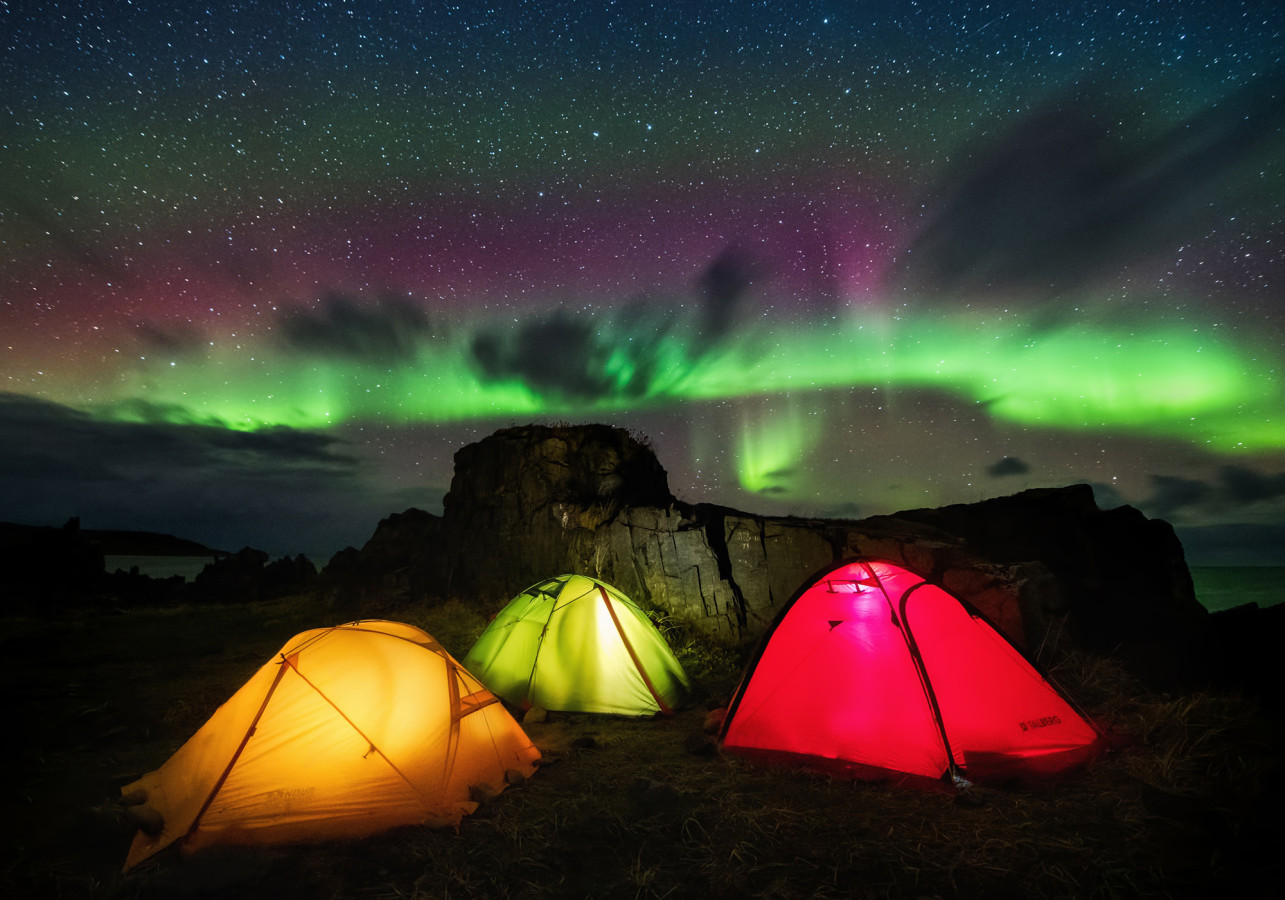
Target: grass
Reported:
[(1187, 802)]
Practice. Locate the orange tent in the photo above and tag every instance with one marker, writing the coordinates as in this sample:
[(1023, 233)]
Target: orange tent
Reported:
[(346, 732)]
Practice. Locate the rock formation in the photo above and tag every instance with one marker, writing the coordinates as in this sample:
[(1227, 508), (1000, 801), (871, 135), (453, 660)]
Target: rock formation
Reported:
[(527, 503)]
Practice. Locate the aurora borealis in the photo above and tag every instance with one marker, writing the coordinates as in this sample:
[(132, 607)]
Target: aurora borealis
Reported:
[(265, 266)]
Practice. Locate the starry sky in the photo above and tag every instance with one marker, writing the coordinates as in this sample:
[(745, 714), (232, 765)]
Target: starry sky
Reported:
[(265, 266)]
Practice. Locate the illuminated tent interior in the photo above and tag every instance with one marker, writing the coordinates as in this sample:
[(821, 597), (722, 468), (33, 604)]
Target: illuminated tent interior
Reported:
[(577, 645), (349, 731), (870, 670)]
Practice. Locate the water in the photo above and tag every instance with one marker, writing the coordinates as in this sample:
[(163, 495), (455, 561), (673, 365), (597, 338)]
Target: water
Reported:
[(1224, 587)]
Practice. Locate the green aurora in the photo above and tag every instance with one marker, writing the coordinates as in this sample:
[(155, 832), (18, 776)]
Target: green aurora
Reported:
[(1186, 382)]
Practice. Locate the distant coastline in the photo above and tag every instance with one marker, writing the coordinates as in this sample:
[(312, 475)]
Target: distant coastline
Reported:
[(161, 556), (1217, 587), (109, 541), (162, 565), (158, 566)]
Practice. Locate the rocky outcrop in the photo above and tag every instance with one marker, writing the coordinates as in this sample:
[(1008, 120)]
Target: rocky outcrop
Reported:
[(1047, 566), (402, 559), (1109, 576), (539, 496)]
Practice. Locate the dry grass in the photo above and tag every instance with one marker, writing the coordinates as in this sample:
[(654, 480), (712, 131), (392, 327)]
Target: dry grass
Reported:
[(628, 808)]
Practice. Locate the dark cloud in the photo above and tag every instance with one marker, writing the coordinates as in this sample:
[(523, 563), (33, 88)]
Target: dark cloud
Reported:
[(1059, 197), (585, 359), (1171, 494), (282, 490), (391, 330), (146, 412), (617, 355), (62, 238), (1242, 485), (722, 286), (846, 510), (558, 355), (1234, 488), (1009, 465), (777, 481), (172, 341)]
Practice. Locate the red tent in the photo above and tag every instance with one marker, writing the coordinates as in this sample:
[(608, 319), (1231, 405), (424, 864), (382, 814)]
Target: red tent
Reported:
[(870, 669)]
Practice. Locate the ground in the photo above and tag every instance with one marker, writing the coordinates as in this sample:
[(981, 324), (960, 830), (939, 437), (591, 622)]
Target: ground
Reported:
[(1184, 803)]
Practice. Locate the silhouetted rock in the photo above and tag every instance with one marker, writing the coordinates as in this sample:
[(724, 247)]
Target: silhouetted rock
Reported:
[(1111, 581), (1128, 571), (395, 564), (46, 569), (1242, 653), (131, 589), (289, 575), (246, 576)]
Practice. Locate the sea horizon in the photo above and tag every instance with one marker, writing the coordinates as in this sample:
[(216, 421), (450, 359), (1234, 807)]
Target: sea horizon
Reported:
[(1226, 587)]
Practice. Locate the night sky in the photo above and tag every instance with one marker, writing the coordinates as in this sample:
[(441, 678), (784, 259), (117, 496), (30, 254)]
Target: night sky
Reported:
[(265, 266)]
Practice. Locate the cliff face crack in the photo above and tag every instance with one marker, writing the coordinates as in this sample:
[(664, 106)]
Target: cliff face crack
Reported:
[(716, 538), (669, 564)]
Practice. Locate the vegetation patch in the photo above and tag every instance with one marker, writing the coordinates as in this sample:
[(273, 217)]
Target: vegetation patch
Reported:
[(1186, 801)]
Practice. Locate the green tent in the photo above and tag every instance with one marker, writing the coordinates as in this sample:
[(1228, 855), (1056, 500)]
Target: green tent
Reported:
[(577, 645)]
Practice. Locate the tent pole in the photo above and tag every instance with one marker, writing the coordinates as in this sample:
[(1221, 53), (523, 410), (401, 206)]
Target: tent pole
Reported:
[(664, 707), (245, 739), (353, 725), (899, 617), (953, 769)]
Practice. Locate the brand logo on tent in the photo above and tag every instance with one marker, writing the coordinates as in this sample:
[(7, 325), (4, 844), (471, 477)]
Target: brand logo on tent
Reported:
[(283, 801), (1032, 724)]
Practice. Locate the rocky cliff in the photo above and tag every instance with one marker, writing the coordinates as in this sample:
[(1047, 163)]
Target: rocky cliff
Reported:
[(528, 503)]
